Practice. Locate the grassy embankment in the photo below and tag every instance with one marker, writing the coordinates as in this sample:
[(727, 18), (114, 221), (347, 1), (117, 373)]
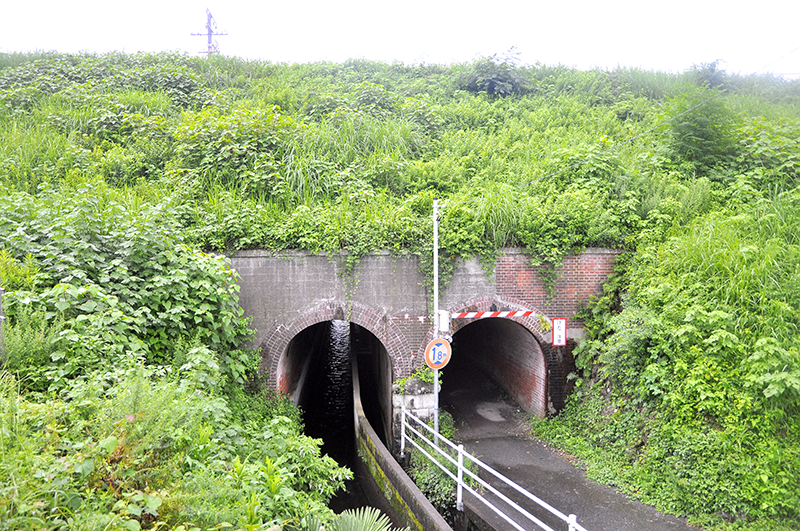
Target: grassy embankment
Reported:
[(120, 172)]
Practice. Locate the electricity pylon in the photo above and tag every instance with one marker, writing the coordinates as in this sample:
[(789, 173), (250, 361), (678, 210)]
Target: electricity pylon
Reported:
[(211, 31)]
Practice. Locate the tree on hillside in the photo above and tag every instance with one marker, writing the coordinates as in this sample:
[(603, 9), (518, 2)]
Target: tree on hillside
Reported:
[(497, 75), (709, 75)]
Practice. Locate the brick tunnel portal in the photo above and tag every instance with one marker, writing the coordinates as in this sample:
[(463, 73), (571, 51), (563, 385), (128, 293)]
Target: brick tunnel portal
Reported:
[(507, 352), (316, 371)]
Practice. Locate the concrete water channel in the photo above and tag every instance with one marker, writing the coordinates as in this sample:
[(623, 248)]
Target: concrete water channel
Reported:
[(325, 394)]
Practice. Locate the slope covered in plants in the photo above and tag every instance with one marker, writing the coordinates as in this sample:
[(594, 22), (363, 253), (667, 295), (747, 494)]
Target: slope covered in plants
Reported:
[(123, 175)]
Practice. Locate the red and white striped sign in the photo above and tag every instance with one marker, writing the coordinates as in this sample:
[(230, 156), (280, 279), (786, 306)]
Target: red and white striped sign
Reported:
[(481, 315)]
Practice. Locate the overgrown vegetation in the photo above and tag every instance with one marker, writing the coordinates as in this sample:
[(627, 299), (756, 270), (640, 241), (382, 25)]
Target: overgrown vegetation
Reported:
[(123, 177), (689, 393)]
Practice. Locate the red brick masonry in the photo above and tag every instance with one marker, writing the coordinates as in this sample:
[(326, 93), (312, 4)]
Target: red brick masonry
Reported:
[(405, 331)]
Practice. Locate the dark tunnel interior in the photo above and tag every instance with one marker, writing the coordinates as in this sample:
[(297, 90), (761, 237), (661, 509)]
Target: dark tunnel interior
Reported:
[(319, 368), (507, 353)]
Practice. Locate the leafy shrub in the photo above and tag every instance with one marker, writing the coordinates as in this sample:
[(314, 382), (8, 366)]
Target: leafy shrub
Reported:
[(374, 99), (770, 155), (111, 458), (91, 332), (166, 288), (30, 339), (700, 131), (228, 144), (16, 275), (422, 111), (708, 75), (361, 519), (423, 374), (693, 386), (497, 76)]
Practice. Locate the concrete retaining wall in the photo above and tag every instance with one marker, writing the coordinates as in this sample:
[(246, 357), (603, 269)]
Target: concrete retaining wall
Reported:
[(405, 498)]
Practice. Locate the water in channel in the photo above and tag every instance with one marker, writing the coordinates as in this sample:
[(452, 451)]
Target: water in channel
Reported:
[(330, 414)]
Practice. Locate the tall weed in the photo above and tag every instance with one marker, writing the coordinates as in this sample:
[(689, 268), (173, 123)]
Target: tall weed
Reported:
[(30, 340)]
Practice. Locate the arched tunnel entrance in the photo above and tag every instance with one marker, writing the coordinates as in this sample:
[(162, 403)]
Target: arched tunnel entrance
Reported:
[(316, 371), (506, 352)]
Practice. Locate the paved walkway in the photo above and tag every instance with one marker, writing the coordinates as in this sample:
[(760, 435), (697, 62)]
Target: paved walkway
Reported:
[(489, 425)]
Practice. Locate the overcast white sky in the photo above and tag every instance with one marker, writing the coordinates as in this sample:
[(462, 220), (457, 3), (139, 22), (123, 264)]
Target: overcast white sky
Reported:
[(666, 36)]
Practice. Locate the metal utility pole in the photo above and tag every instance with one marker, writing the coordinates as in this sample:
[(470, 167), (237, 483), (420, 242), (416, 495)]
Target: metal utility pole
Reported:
[(211, 31), (438, 351), (436, 312)]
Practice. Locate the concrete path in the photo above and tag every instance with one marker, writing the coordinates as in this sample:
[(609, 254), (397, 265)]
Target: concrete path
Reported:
[(490, 426)]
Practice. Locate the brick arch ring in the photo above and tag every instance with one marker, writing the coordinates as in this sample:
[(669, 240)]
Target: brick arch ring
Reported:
[(537, 324), (375, 320), (533, 397)]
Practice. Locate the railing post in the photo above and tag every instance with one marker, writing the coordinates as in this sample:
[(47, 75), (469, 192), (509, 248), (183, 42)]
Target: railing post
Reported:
[(460, 492), (403, 433), (572, 520)]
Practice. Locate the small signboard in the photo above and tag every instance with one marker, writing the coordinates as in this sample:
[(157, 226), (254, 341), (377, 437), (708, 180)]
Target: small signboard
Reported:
[(437, 353), (559, 332)]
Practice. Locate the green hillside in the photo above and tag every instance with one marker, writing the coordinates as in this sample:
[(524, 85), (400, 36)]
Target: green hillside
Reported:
[(122, 178)]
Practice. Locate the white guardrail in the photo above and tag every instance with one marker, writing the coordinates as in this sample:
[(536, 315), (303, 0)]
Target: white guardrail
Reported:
[(462, 471)]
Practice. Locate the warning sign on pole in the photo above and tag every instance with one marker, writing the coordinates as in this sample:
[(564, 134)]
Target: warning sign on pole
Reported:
[(559, 332), (437, 353)]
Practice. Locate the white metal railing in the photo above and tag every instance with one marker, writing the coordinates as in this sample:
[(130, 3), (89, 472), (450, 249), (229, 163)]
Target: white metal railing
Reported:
[(462, 470)]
